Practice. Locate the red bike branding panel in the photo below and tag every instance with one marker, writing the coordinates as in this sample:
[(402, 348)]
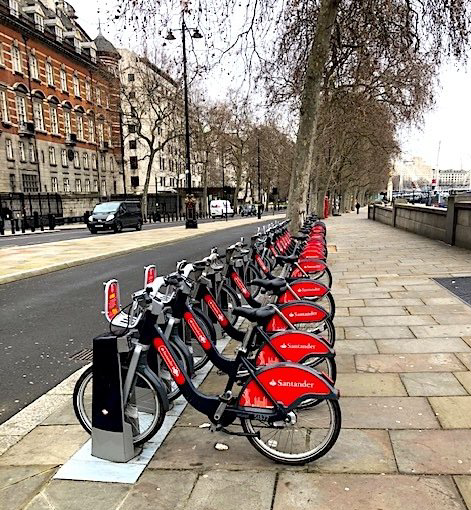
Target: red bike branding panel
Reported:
[(309, 267), (304, 289), (293, 346), (296, 313), (262, 265), (284, 384), (172, 366), (198, 332), (240, 284), (220, 317)]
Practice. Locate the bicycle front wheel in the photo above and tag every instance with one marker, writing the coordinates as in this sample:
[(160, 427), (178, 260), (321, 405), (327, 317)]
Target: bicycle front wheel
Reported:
[(144, 408), (309, 435)]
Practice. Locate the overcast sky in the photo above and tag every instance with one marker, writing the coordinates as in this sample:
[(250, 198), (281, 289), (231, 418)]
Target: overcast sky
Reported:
[(446, 125)]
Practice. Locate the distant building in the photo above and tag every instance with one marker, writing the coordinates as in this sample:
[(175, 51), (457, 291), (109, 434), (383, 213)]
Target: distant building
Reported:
[(152, 107), (454, 179), (59, 104), (411, 172)]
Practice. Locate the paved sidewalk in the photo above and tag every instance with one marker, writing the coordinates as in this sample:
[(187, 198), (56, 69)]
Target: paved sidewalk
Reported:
[(26, 261), (404, 361)]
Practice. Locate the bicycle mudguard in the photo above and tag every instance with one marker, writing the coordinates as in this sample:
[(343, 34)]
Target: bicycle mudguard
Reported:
[(286, 383), (304, 288), (295, 346), (309, 266), (296, 312), (158, 385)]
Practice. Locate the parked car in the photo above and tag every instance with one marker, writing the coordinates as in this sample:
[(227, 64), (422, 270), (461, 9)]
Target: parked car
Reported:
[(115, 216), (248, 210), (219, 208)]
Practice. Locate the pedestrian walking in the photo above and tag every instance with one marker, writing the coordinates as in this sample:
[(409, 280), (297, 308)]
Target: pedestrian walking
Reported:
[(357, 206)]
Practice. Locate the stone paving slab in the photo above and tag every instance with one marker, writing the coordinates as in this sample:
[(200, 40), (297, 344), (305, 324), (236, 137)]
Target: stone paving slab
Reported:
[(432, 451), (426, 384), (18, 484), (370, 385), (377, 332), (452, 412), (436, 362), (422, 345), (388, 413), (302, 491), (356, 347)]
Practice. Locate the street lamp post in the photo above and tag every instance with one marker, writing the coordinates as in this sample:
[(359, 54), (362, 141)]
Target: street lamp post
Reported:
[(190, 202), (259, 215)]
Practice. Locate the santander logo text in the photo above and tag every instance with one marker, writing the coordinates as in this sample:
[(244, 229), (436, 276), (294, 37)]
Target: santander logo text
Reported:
[(291, 384)]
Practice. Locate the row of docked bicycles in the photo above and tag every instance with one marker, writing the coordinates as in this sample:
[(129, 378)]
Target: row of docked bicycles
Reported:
[(280, 391)]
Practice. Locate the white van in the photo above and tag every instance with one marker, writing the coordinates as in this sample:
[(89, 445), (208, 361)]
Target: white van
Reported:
[(219, 208)]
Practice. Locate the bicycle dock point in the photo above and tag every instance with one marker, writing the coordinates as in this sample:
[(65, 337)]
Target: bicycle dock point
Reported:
[(112, 433)]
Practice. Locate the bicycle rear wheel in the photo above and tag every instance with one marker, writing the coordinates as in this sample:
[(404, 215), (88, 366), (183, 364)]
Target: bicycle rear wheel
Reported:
[(228, 300), (145, 410), (309, 435)]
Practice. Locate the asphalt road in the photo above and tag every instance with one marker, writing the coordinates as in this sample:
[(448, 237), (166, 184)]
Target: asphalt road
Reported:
[(79, 233), (46, 319)]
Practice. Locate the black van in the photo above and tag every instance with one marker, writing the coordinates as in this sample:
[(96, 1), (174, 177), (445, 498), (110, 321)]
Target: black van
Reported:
[(115, 216)]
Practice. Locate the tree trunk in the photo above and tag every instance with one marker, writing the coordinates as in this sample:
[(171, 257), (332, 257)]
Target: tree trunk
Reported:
[(310, 99), (205, 188), (237, 187), (145, 191)]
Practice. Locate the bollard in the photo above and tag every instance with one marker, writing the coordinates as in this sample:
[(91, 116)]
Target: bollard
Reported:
[(51, 221), (112, 435), (2, 226), (23, 226), (12, 226)]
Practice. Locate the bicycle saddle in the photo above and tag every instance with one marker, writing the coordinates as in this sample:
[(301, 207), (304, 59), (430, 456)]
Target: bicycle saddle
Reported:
[(259, 315), (276, 285), (283, 259)]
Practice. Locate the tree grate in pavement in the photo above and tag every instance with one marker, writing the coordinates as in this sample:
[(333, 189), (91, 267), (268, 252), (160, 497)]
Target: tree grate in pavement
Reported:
[(460, 287), (83, 355)]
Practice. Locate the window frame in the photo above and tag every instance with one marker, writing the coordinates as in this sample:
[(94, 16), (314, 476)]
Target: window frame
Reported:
[(16, 63), (52, 152)]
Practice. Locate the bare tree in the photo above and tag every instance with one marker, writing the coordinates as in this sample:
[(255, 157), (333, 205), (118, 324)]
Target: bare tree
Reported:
[(152, 111)]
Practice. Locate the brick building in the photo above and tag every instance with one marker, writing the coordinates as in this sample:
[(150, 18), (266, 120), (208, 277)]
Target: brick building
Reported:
[(59, 105)]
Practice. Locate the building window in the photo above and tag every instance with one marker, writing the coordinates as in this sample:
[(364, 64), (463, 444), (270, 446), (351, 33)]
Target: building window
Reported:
[(93, 161), (52, 156), (133, 144), (66, 185), (22, 151), (54, 185), (54, 120), (59, 33), (4, 105), (21, 110), (67, 127), (103, 163), (87, 185), (111, 164), (85, 161), (133, 162), (78, 185), (88, 90), (32, 153), (30, 183), (162, 181), (38, 115), (98, 96), (12, 183), (101, 135), (130, 77), (107, 100), (9, 148), (63, 80), (33, 67), (2, 56), (76, 86), (16, 57), (132, 95), (91, 130), (80, 127), (131, 128), (14, 8), (39, 21), (95, 186), (64, 159), (49, 73), (103, 187), (76, 159)]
